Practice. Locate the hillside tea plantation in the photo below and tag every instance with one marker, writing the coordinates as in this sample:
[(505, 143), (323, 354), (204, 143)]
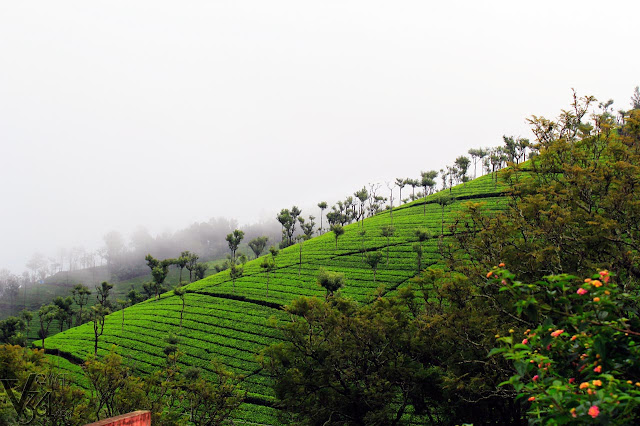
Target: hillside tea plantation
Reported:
[(233, 323)]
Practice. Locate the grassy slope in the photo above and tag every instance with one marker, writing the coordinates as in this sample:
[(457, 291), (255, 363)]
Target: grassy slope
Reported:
[(45, 293), (232, 325)]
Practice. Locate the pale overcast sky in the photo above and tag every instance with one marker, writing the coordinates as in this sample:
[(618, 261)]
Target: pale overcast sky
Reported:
[(120, 113)]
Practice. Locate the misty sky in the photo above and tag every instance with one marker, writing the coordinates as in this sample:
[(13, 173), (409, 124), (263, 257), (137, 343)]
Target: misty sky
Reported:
[(118, 114)]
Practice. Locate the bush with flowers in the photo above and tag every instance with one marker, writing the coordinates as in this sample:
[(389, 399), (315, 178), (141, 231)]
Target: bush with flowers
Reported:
[(582, 360)]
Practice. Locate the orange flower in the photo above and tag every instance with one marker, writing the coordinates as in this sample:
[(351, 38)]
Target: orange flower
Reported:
[(501, 265), (598, 369), (532, 398), (557, 333), (607, 292), (582, 291), (574, 337), (597, 382), (573, 412), (604, 273), (596, 299), (584, 385), (594, 411), (596, 283), (489, 274), (587, 280)]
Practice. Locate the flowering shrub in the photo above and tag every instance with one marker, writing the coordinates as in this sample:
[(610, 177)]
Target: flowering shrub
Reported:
[(579, 359)]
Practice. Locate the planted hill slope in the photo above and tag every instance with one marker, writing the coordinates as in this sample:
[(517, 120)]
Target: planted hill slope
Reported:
[(43, 294), (230, 322)]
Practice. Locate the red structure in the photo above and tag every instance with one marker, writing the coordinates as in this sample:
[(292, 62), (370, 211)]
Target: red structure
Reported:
[(137, 418)]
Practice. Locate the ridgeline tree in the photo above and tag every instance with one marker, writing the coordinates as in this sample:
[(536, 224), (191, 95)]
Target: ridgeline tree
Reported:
[(400, 183), (477, 155), (46, 315), (288, 219), (390, 206), (134, 297), (80, 295), (413, 183), (635, 98), (362, 195), (428, 182), (337, 230), (191, 264), (65, 311), (257, 245), (98, 315), (182, 262), (102, 294), (27, 317), (307, 227), (200, 270), (462, 166), (234, 240), (322, 205)]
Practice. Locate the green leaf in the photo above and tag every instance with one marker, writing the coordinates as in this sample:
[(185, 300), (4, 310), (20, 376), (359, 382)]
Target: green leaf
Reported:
[(495, 351)]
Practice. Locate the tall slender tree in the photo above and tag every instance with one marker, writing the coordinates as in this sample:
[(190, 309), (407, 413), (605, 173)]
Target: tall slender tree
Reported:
[(388, 231), (428, 182), (337, 230), (181, 293), (322, 205), (181, 263), (400, 183), (267, 266), (80, 295), (273, 250), (46, 315), (362, 195), (122, 304), (257, 245), (235, 272), (234, 240), (191, 264), (98, 315), (102, 294)]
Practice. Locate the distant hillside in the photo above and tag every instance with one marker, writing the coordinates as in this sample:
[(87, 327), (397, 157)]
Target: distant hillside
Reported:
[(231, 322), (62, 283)]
